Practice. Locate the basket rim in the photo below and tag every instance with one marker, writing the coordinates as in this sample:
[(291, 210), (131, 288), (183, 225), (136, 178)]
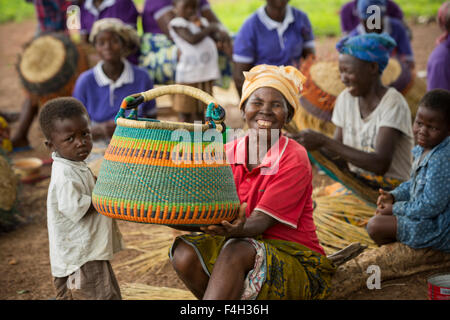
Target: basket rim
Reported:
[(164, 125)]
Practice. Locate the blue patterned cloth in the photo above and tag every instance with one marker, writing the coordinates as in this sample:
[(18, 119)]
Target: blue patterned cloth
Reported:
[(371, 47), (422, 204), (363, 5)]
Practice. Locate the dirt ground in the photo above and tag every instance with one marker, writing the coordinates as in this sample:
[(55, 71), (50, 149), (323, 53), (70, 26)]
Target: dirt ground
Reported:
[(24, 257)]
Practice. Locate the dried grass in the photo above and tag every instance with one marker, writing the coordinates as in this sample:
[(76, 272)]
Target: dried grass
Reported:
[(153, 244), (341, 220), (138, 291)]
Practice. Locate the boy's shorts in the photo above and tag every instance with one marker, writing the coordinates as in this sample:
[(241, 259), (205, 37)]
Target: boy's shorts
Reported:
[(95, 280)]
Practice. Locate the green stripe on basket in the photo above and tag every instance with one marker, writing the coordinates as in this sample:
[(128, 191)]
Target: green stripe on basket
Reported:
[(164, 184), (159, 134)]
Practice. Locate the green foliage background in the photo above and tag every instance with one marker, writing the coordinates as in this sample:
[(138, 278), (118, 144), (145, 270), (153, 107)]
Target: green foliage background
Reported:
[(322, 13)]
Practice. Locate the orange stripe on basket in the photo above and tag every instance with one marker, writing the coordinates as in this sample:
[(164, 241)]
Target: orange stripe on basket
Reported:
[(149, 213), (172, 214), (141, 213), (158, 211)]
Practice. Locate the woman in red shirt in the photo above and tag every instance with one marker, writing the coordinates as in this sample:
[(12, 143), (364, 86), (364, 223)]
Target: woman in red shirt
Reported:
[(271, 251)]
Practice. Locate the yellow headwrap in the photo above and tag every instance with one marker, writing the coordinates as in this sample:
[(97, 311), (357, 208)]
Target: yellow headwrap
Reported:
[(288, 80)]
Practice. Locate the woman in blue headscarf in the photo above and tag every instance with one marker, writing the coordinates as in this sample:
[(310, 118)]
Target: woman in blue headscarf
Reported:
[(373, 133)]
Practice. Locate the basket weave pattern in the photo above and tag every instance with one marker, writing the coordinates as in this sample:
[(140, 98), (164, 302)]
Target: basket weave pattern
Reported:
[(147, 177)]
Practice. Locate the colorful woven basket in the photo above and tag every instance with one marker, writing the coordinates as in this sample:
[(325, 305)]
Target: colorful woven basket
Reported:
[(167, 173)]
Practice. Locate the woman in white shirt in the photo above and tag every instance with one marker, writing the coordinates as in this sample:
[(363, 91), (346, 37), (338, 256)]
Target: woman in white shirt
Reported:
[(373, 123)]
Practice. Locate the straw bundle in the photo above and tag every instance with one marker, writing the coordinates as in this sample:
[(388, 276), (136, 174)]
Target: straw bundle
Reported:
[(347, 178), (414, 94), (304, 120), (138, 291), (341, 220), (153, 243)]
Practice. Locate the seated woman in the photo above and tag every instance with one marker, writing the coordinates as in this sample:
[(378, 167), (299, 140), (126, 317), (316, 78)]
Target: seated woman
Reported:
[(102, 88), (370, 23), (159, 54), (276, 34), (94, 10), (271, 251), (373, 132)]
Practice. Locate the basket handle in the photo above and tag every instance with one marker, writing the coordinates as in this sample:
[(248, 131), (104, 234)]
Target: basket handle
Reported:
[(215, 114)]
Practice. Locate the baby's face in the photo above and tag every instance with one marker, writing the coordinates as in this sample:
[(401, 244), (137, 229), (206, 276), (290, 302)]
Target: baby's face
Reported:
[(430, 128), (72, 138)]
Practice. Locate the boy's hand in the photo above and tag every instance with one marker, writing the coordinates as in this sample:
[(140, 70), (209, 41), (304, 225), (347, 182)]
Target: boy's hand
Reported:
[(228, 229), (384, 210), (384, 198)]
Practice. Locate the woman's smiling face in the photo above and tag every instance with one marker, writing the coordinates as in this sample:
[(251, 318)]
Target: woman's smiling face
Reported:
[(266, 109)]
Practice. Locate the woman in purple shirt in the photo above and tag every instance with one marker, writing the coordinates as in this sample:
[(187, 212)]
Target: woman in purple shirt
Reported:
[(438, 68), (350, 18), (102, 88), (276, 34), (93, 10), (391, 26)]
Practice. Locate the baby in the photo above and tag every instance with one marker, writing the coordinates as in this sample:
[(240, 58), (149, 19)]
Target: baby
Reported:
[(81, 241), (417, 212)]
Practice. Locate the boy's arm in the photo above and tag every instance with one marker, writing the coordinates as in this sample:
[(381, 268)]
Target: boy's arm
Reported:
[(401, 193), (435, 195), (72, 203)]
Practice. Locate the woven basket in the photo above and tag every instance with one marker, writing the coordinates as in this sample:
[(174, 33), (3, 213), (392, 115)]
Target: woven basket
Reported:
[(148, 177)]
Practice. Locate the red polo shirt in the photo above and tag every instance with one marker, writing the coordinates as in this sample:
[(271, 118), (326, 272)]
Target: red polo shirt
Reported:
[(281, 187)]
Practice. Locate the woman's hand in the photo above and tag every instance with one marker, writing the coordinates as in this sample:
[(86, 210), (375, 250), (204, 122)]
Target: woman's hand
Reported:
[(227, 229), (308, 138)]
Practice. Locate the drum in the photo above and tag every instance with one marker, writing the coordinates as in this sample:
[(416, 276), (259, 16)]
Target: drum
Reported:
[(164, 172), (50, 65), (323, 85)]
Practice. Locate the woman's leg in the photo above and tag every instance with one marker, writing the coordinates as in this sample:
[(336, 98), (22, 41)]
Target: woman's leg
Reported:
[(235, 260), (188, 267), (382, 229)]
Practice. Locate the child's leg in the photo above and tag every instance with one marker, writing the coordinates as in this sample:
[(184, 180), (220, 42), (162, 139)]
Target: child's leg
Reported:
[(62, 291), (235, 260), (96, 281), (188, 267), (382, 229)]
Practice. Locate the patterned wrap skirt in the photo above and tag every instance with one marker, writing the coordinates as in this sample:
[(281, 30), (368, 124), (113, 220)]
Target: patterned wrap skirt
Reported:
[(283, 270), (159, 56)]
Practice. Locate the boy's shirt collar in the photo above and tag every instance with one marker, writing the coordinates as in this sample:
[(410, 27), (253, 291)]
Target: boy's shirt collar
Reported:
[(81, 165), (417, 151)]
